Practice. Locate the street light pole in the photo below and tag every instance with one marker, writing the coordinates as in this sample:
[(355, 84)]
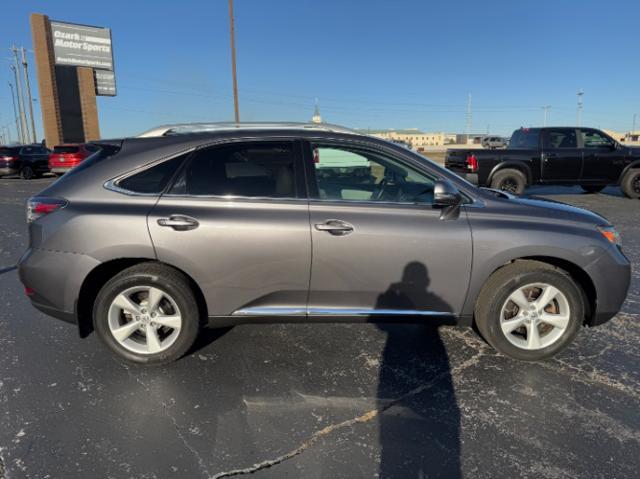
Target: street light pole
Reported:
[(21, 110), (546, 110), (233, 63), (579, 113), (15, 113), (26, 79)]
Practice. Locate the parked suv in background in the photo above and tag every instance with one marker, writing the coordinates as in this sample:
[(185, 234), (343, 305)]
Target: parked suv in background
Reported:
[(28, 161), (65, 157), (552, 156), (152, 238), (493, 142)]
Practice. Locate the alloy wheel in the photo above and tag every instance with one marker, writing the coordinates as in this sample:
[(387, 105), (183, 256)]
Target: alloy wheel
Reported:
[(535, 316), (509, 185), (144, 319)]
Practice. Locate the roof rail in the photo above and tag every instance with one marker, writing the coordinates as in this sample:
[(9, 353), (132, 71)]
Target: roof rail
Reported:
[(186, 128)]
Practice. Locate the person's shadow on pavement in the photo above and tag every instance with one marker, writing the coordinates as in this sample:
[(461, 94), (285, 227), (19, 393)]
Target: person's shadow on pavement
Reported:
[(419, 434)]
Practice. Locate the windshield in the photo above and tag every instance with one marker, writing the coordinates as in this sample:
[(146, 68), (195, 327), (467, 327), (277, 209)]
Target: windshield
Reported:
[(65, 149)]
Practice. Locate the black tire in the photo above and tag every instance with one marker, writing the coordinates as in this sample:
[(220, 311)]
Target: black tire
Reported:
[(509, 180), (499, 287), (592, 188), (27, 173), (168, 280), (630, 184)]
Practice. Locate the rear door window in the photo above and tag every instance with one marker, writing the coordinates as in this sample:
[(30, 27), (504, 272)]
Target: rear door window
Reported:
[(256, 169), (561, 138)]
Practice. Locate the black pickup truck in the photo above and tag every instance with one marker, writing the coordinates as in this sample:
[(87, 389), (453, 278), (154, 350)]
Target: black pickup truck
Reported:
[(560, 156)]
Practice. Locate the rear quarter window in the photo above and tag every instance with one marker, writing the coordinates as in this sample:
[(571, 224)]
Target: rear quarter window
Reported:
[(152, 180)]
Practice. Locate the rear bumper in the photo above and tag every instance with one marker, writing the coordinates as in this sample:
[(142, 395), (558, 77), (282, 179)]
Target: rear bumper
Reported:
[(8, 171), (60, 170), (56, 278), (611, 275), (470, 177)]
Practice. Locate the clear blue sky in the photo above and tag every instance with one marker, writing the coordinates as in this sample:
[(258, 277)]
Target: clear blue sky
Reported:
[(377, 64)]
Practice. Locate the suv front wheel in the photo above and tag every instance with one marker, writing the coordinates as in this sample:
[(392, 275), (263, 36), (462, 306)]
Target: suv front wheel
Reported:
[(147, 314), (529, 310)]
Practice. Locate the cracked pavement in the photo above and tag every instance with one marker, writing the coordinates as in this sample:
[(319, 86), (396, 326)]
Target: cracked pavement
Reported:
[(317, 401)]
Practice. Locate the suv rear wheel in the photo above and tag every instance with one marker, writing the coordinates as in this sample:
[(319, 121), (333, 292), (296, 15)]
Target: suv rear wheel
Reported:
[(147, 314), (529, 310), (630, 183), (509, 180)]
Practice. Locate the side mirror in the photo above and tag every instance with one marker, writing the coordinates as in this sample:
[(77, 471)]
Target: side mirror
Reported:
[(445, 194), (448, 198)]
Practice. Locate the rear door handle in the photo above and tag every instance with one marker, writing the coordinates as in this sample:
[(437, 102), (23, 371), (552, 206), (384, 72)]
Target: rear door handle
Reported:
[(179, 222), (335, 227)]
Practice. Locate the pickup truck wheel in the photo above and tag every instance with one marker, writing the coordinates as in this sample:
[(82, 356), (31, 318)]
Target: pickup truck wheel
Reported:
[(509, 180), (592, 188), (529, 310), (630, 184)]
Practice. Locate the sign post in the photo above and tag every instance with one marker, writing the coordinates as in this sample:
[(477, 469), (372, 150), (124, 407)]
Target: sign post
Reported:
[(74, 63)]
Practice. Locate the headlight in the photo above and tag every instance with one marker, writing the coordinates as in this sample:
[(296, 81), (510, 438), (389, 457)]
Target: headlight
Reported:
[(611, 234)]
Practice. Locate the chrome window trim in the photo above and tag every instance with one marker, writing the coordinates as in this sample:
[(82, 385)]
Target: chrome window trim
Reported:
[(112, 184), (236, 198), (277, 311)]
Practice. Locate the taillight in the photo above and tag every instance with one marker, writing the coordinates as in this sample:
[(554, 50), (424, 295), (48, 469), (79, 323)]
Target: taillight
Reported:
[(472, 163), (8, 158), (40, 206)]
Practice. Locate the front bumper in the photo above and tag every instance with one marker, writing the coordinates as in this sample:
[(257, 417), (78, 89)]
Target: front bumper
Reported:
[(611, 276), (56, 278)]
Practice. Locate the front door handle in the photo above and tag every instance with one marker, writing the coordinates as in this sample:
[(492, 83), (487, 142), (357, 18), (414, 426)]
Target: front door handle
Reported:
[(179, 222), (335, 227)]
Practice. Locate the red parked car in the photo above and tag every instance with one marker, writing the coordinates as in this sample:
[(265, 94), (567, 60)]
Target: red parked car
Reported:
[(64, 157)]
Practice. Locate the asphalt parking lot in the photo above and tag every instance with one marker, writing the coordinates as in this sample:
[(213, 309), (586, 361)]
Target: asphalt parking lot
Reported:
[(321, 401)]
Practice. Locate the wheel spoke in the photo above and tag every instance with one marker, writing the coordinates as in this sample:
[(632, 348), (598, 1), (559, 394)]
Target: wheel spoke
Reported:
[(533, 336), (548, 294), (173, 322), (520, 299), (510, 325), (557, 320), (155, 296), (153, 341), (124, 302), (123, 332)]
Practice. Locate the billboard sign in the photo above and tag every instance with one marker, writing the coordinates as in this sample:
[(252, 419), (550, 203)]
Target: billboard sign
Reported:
[(105, 82), (82, 46)]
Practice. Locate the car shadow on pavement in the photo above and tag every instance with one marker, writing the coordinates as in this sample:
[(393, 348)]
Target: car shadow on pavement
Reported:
[(419, 431)]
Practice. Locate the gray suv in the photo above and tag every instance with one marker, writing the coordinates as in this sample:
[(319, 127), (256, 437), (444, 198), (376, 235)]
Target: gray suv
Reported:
[(152, 238)]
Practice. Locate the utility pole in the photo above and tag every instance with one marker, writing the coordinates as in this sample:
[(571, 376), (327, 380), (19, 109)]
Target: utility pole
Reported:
[(233, 63), (15, 112), (469, 119), (29, 98), (634, 124), (580, 104), (546, 110), (23, 116)]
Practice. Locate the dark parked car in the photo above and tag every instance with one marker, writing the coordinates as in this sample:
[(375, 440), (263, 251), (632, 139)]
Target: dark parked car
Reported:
[(65, 157), (559, 156), (28, 161), (152, 238)]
